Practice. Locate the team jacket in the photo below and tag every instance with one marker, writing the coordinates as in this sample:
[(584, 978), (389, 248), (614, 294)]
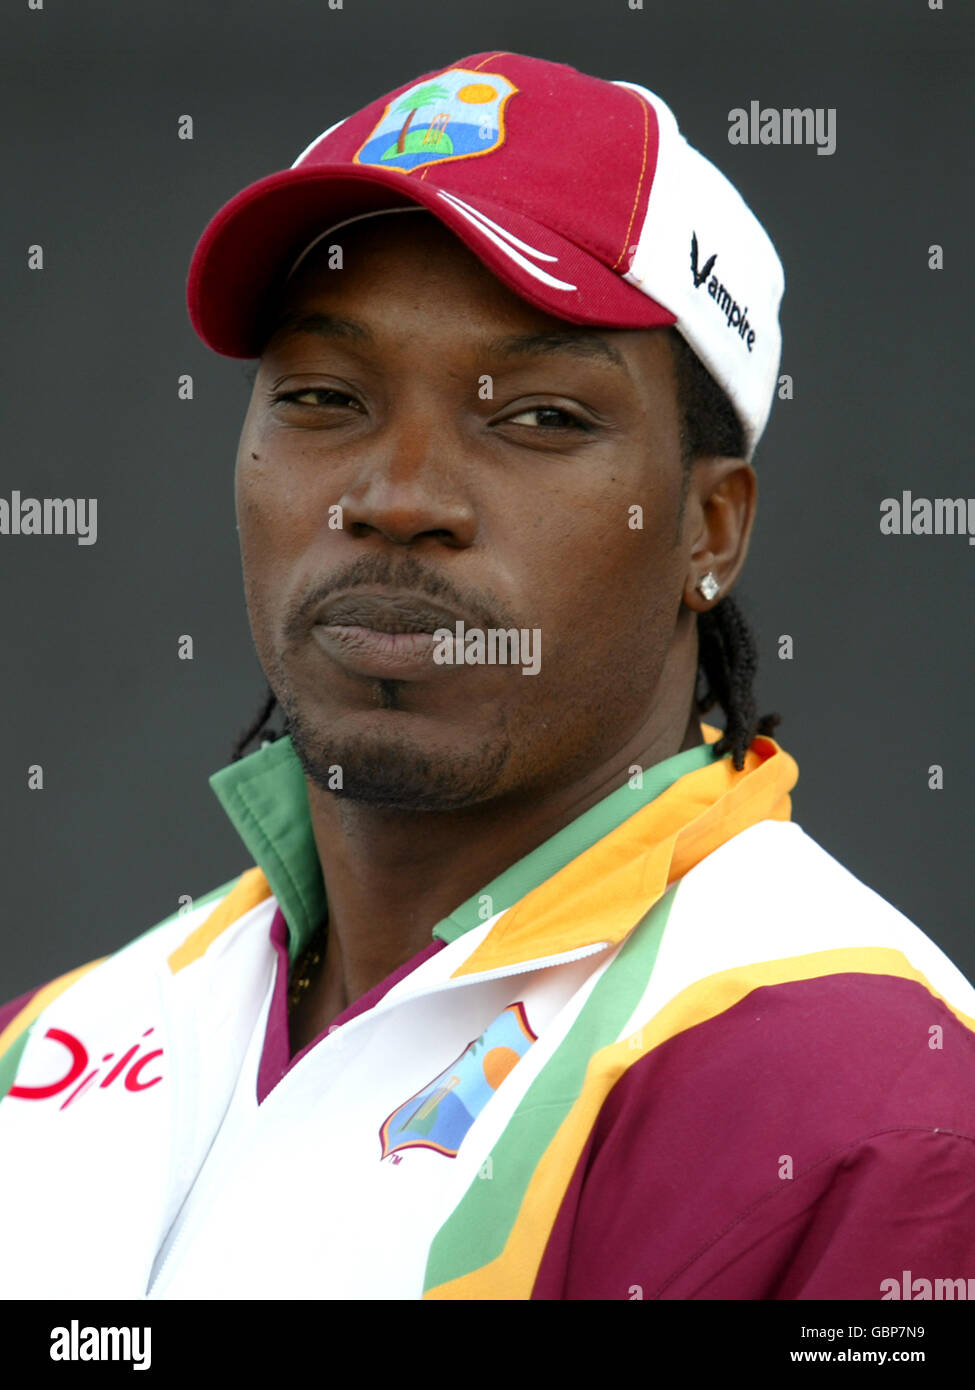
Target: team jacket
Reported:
[(677, 1052)]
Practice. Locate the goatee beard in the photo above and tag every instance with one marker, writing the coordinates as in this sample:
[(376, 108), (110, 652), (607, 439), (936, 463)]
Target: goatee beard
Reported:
[(391, 773)]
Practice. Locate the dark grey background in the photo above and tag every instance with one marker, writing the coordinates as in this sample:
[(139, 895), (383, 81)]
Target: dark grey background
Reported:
[(878, 346)]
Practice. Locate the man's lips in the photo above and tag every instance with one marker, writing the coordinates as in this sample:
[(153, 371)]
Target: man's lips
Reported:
[(389, 612), (385, 636)]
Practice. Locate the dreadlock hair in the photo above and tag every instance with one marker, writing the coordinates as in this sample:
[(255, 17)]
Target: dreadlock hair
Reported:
[(727, 651)]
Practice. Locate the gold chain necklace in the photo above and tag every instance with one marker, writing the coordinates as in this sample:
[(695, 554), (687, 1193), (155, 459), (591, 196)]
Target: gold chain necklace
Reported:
[(307, 964)]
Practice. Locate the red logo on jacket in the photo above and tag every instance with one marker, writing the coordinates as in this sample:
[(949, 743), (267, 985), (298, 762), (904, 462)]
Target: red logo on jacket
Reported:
[(128, 1068)]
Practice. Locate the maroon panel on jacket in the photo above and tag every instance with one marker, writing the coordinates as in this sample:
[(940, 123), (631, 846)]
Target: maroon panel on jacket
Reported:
[(678, 1194)]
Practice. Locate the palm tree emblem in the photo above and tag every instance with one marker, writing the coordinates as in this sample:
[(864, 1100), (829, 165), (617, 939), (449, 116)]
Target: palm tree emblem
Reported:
[(413, 101)]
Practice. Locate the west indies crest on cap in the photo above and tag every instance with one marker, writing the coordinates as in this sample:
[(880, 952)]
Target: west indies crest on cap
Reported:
[(580, 194), (457, 116)]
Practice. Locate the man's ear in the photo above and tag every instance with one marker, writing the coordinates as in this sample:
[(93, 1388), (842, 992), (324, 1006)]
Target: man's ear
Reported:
[(722, 497)]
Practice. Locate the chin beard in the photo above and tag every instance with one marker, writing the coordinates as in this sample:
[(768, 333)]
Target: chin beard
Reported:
[(392, 773)]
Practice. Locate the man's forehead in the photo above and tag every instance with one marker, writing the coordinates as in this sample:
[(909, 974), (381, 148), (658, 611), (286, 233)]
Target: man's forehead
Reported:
[(589, 343)]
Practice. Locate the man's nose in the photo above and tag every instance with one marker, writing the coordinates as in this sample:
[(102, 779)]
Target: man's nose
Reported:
[(411, 482)]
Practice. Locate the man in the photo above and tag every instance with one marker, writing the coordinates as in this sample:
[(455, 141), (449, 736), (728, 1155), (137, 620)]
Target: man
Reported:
[(534, 990)]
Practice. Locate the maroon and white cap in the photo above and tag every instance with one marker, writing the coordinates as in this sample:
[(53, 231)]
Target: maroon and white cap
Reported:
[(579, 194)]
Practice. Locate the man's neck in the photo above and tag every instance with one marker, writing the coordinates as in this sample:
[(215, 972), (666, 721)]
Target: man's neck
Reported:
[(392, 876)]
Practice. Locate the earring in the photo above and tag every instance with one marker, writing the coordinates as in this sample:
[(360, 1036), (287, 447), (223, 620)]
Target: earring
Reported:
[(708, 585)]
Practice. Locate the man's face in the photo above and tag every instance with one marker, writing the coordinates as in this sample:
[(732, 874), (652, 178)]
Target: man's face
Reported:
[(423, 447)]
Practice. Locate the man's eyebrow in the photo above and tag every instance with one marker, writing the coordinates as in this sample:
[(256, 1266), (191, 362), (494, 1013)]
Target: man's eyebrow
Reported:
[(582, 344), (321, 325)]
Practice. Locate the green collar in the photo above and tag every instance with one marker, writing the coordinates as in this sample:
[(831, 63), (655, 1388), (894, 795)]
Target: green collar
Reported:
[(266, 798)]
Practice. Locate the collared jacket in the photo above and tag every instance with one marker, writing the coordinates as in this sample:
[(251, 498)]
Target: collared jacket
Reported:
[(677, 1052)]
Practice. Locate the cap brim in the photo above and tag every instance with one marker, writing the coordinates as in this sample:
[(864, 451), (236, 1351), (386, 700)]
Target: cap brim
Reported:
[(243, 258)]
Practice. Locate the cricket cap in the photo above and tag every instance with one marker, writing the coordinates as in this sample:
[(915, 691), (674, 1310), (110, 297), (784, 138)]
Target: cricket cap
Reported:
[(580, 194)]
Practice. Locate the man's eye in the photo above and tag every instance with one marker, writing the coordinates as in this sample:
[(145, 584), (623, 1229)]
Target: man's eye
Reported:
[(547, 417), (324, 392)]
